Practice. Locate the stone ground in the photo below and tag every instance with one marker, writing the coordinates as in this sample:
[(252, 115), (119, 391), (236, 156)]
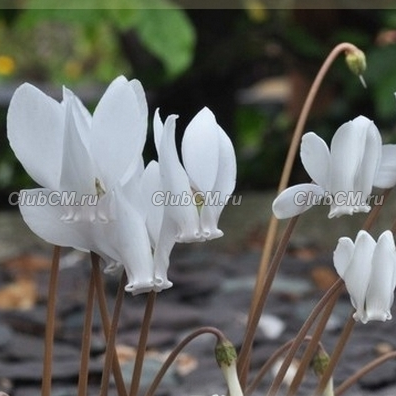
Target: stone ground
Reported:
[(212, 286)]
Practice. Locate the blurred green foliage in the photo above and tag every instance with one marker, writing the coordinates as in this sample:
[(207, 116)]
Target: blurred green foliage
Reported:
[(191, 58), (69, 45)]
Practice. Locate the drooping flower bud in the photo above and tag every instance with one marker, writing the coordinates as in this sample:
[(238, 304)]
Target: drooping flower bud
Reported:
[(356, 61), (319, 364)]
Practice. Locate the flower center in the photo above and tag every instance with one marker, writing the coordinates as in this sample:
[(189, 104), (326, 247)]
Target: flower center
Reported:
[(88, 210)]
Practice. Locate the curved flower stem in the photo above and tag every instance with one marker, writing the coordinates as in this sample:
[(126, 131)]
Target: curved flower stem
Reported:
[(175, 352), (118, 379), (311, 348), (293, 148), (144, 331), (50, 326), (364, 370), (110, 347), (243, 361), (332, 293), (86, 339)]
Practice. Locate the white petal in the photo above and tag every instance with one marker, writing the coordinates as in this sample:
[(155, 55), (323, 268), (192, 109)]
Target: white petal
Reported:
[(140, 97), (386, 174), (222, 189), (164, 247), (77, 166), (158, 127), (380, 291), (119, 128), (357, 275), (371, 161), (82, 116), (175, 181), (35, 125), (342, 255), (152, 194), (209, 217), (201, 150), (296, 200), (45, 221), (347, 153), (133, 244), (315, 156)]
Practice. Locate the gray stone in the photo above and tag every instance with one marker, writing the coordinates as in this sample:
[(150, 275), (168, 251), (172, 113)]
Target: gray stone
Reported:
[(6, 334)]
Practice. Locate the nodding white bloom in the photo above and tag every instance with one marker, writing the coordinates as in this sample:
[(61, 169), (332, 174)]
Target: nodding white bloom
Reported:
[(369, 272), (347, 172), (207, 178), (65, 149)]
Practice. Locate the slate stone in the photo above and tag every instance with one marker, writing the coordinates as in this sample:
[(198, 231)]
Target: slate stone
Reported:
[(32, 321), (26, 347), (6, 334), (32, 370)]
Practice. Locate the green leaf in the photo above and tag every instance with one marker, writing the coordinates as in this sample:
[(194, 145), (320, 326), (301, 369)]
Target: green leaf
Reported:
[(167, 34)]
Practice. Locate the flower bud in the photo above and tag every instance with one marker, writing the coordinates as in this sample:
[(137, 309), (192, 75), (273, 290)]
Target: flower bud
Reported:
[(319, 364), (356, 61), (320, 361), (226, 358)]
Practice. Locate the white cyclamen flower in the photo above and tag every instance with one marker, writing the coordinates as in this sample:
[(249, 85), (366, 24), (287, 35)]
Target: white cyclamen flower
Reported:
[(65, 149), (347, 172), (369, 272), (209, 173)]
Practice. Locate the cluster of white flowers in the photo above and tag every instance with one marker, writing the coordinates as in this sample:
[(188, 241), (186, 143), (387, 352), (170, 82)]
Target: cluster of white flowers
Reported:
[(65, 148), (356, 162)]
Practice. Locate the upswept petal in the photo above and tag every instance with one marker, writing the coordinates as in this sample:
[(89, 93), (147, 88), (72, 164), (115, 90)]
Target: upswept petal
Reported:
[(342, 255), (201, 150), (152, 196), (371, 162), (380, 292), (357, 275), (386, 173), (77, 167), (119, 130), (315, 156), (158, 127), (223, 188), (82, 116), (175, 181), (35, 124), (296, 200), (347, 153), (140, 97)]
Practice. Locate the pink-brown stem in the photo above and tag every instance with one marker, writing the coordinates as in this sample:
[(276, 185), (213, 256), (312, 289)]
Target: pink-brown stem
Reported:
[(243, 360), (86, 340), (311, 348), (175, 352), (363, 371), (144, 332), (110, 347), (118, 379), (50, 326)]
